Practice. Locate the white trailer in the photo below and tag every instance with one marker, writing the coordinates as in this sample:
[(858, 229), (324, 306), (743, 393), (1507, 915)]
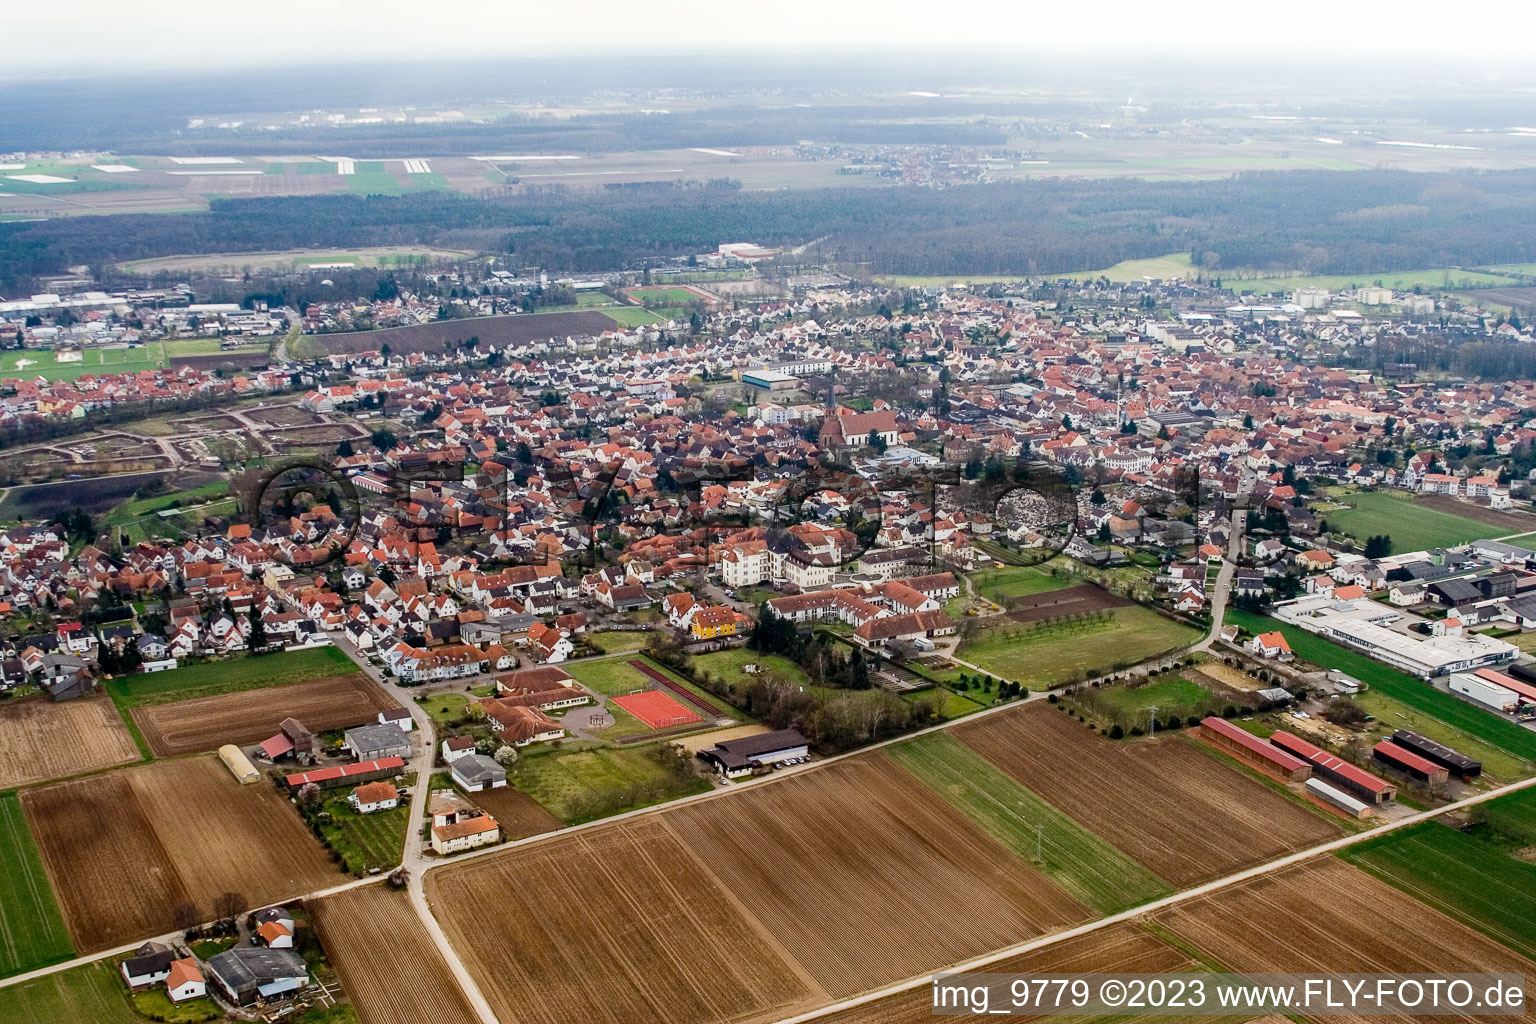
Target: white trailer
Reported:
[(1481, 691)]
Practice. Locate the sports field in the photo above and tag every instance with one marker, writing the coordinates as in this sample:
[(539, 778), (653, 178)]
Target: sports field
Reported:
[(1085, 866), (1401, 687), (32, 932), (1470, 879), (662, 296), (656, 709), (244, 673), (1045, 655), (28, 364), (1412, 527)]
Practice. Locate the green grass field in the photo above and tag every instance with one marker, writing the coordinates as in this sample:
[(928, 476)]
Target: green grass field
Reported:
[(231, 676), (1411, 526), (93, 993), (1085, 866), (1468, 878), (658, 295), (29, 364), (1005, 581), (615, 641), (32, 932), (1042, 658), (632, 316), (1393, 715), (728, 665), (137, 517), (1170, 694), (611, 676), (1438, 279), (559, 779), (365, 840), (1415, 694)]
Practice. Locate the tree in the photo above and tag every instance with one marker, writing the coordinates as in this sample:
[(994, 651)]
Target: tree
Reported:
[(185, 916), (345, 449), (309, 795), (877, 442), (383, 439), (506, 755), (229, 905), (1378, 546), (258, 637)]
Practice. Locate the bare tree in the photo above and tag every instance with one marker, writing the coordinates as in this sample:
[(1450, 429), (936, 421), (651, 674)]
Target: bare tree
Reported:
[(229, 905), (309, 794), (185, 915)]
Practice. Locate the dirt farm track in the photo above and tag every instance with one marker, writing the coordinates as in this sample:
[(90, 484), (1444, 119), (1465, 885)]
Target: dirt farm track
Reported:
[(373, 937), (1157, 800), (124, 848), (207, 723), (41, 740)]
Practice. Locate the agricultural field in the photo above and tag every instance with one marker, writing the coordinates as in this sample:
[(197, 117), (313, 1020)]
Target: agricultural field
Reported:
[(518, 814), (1045, 655), (1123, 947), (1324, 915), (90, 994), (367, 933), (248, 716), (1083, 865), (216, 677), (1392, 715), (857, 836), (1405, 689), (1412, 526), (41, 740), (1432, 280), (1471, 879), (32, 933), (40, 501), (1152, 799), (364, 841), (124, 848), (626, 923)]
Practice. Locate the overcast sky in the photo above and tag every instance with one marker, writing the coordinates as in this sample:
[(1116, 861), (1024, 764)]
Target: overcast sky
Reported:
[(103, 36)]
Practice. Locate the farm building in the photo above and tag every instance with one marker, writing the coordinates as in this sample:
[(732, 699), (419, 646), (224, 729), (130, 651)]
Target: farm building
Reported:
[(1248, 747), (456, 831), (400, 717), (374, 796), (371, 742), (292, 739), (238, 764), (1452, 760), (246, 973), (185, 981), (1358, 782), (1338, 798), (149, 965), (1409, 763), (476, 772), (348, 775), (734, 758)]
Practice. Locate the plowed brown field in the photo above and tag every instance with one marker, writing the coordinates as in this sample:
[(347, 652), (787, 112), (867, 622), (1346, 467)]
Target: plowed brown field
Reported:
[(207, 723), (616, 924), (1182, 813), (1324, 915), (867, 877), (41, 740), (122, 849), (388, 964), (1121, 948), (518, 814)]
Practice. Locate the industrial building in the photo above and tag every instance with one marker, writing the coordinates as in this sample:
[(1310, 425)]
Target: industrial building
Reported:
[(1248, 747), (1338, 798), (1410, 764), (770, 380), (1454, 761), (1358, 782), (734, 758), (1358, 624), (371, 742)]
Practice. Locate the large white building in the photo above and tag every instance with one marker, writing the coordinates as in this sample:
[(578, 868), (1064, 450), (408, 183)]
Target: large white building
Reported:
[(1359, 624)]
